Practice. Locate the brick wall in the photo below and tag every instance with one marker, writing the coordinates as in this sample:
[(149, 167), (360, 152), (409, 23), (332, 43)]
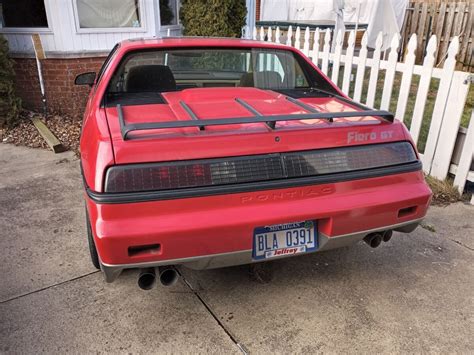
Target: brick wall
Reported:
[(62, 95)]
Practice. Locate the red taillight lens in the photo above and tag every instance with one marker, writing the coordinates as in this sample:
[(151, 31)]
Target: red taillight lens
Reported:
[(212, 172), (330, 161), (177, 175)]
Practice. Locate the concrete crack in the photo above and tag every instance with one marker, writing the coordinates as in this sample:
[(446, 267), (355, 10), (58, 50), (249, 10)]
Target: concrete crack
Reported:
[(211, 312), (461, 244), (50, 286)]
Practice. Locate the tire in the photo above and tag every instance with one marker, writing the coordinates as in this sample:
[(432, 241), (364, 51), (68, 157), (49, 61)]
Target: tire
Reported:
[(92, 248)]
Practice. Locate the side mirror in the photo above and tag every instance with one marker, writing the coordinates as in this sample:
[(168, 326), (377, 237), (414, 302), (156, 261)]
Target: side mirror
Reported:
[(85, 79)]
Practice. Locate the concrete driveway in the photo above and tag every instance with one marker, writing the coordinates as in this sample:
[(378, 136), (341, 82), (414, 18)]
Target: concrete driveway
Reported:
[(413, 294)]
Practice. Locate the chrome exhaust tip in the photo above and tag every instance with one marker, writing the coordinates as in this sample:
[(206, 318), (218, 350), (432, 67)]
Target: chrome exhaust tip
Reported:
[(168, 275), (146, 278), (373, 239)]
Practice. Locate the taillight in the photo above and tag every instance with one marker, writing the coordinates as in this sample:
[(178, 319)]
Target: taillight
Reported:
[(176, 175), (330, 161), (212, 172)]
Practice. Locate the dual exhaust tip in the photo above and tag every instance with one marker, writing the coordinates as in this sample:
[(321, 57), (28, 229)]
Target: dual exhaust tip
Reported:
[(167, 275), (375, 239)]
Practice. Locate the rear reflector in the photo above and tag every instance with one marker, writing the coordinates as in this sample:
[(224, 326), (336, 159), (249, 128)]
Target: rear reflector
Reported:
[(224, 171)]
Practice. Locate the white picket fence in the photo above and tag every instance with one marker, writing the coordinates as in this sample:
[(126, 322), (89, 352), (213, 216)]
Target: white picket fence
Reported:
[(450, 97)]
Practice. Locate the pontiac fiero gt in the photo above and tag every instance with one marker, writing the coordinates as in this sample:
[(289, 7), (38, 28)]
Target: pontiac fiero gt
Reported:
[(208, 153)]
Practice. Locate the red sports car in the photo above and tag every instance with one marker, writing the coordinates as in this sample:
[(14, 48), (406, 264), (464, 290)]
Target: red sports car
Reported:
[(208, 153)]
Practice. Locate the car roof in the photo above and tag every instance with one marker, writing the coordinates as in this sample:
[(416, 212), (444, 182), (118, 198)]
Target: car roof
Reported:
[(157, 42)]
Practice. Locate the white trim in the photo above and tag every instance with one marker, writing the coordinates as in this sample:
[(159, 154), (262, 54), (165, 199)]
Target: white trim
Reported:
[(141, 29), (171, 27), (26, 30), (156, 16), (31, 30)]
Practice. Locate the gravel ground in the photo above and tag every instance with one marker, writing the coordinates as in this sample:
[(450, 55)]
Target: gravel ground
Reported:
[(24, 133)]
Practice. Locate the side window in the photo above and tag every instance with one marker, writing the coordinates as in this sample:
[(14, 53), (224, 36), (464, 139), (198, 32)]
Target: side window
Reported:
[(146, 72), (300, 78), (269, 62), (285, 65)]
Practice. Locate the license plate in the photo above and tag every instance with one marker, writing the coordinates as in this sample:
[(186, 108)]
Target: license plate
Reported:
[(284, 239)]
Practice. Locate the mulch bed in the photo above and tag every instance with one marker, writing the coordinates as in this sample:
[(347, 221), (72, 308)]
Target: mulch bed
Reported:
[(24, 133)]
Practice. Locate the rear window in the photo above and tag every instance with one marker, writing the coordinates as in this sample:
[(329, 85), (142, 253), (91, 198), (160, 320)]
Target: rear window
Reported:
[(178, 69)]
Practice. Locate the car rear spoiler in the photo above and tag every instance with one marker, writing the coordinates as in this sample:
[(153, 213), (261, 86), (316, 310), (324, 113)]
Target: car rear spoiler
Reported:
[(270, 120)]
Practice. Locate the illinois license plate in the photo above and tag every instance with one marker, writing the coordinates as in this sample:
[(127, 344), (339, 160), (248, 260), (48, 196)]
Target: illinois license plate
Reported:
[(284, 239)]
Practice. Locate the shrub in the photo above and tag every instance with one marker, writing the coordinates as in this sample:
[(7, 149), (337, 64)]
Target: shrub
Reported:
[(219, 18), (10, 105)]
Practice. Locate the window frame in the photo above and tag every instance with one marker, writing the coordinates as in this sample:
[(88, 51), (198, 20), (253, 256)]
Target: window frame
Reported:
[(32, 30), (141, 29), (308, 72), (177, 26)]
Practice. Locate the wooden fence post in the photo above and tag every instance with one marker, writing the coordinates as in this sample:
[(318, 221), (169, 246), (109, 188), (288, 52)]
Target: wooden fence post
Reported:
[(405, 85), (289, 36), (348, 63), (306, 42), (336, 62), (361, 69), (440, 105), (374, 71), (297, 37), (277, 35), (326, 49), (423, 88), (466, 158), (315, 55), (450, 125), (390, 73)]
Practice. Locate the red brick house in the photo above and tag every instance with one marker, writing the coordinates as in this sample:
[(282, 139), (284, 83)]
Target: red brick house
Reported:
[(76, 35)]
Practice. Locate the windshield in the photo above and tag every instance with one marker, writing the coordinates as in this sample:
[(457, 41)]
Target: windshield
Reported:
[(178, 69)]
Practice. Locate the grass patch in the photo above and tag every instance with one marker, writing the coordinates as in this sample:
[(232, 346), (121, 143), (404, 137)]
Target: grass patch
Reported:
[(428, 227), (444, 193)]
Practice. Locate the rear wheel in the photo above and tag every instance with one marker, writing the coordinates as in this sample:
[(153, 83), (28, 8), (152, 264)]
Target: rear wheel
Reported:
[(92, 248)]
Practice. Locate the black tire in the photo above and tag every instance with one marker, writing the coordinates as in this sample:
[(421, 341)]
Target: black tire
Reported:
[(92, 248)]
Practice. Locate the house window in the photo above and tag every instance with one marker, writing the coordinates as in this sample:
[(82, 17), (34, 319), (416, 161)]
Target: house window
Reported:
[(169, 12), (108, 13), (22, 13)]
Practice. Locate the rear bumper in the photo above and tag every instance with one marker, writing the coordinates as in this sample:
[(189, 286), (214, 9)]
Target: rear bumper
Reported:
[(216, 231), (214, 261)]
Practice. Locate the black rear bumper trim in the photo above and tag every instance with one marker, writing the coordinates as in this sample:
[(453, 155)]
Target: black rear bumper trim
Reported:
[(134, 197)]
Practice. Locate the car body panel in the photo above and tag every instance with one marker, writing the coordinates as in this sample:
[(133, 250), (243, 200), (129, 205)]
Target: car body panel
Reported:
[(232, 140), (225, 223)]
